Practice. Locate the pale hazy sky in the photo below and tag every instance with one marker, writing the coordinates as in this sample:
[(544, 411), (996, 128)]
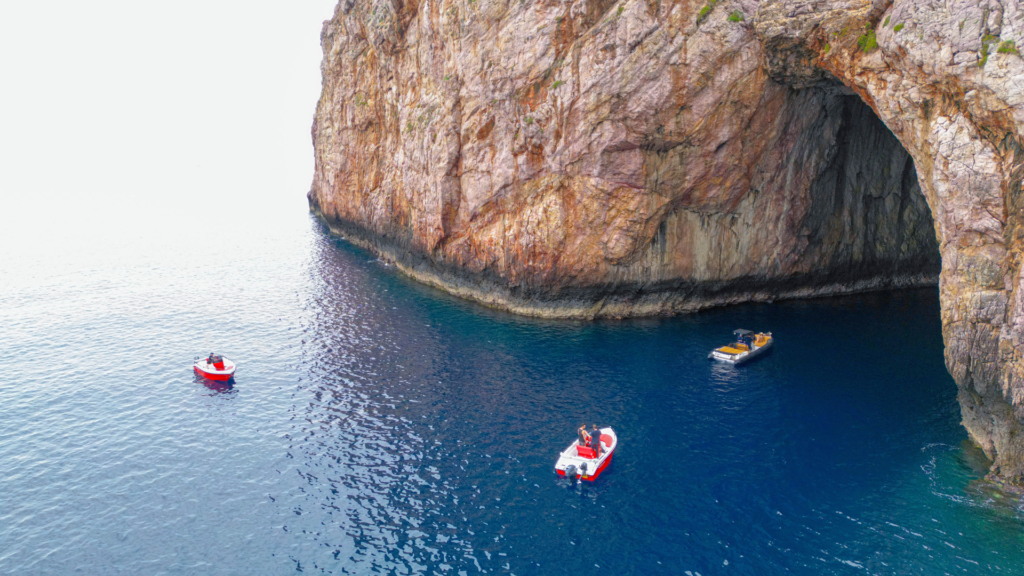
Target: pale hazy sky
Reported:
[(138, 113)]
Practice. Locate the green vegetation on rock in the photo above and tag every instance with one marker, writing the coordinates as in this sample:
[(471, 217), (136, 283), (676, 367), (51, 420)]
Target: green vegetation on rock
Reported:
[(706, 10), (736, 16), (986, 41), (1007, 47), (868, 41), (897, 27)]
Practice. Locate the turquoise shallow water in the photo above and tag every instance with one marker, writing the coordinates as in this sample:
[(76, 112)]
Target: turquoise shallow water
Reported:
[(378, 426)]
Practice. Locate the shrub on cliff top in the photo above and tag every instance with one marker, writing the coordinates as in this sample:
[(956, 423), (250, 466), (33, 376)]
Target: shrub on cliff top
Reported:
[(736, 16)]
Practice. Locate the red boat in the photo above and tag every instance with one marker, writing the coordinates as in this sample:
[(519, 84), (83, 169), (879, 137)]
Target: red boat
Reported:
[(214, 367), (581, 462)]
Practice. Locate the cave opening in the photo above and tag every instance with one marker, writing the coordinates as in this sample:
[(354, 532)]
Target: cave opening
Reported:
[(814, 196), (867, 219)]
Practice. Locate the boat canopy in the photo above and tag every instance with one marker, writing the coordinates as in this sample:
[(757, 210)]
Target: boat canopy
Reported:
[(741, 332)]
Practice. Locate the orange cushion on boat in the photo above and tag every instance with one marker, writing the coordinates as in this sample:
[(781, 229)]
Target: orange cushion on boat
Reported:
[(585, 452), (606, 440)]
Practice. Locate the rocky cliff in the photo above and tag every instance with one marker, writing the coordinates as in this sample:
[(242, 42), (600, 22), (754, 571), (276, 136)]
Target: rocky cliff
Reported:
[(594, 158)]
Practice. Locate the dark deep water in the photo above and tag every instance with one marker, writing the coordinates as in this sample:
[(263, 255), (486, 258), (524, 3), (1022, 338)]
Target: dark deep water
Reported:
[(378, 426)]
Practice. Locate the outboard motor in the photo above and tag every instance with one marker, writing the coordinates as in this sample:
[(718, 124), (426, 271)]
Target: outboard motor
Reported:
[(570, 472)]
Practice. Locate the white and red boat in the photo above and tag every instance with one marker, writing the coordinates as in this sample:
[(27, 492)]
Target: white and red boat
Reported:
[(214, 367), (581, 462)]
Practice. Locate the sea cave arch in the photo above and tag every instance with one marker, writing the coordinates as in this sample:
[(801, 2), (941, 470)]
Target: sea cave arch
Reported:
[(837, 204), (957, 117), (825, 200)]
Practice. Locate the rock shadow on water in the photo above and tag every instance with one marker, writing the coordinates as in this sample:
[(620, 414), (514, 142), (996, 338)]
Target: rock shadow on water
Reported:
[(960, 474), (991, 491)]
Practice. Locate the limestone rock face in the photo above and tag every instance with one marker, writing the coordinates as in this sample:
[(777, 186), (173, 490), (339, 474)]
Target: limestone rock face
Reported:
[(585, 158)]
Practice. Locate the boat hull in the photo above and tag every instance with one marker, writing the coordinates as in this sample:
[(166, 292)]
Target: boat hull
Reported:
[(214, 376), (594, 476), (210, 372), (737, 359)]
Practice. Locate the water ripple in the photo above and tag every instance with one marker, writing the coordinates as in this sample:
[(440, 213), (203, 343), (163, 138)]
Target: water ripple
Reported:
[(379, 426)]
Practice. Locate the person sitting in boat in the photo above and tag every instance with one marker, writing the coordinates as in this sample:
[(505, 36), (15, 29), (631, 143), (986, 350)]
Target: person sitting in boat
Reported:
[(584, 438), (748, 341), (595, 441)]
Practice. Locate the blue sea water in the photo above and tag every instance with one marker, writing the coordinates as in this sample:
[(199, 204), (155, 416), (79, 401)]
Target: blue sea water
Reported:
[(377, 426)]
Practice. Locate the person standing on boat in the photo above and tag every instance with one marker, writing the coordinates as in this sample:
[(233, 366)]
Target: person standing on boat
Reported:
[(595, 441), (584, 438)]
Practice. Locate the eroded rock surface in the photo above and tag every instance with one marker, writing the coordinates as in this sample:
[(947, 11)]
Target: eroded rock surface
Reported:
[(596, 158)]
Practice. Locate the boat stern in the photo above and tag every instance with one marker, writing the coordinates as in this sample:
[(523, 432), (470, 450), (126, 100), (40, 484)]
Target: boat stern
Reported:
[(722, 356)]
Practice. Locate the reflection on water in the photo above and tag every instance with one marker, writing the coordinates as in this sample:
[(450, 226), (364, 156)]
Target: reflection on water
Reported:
[(217, 386), (384, 427), (372, 439)]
